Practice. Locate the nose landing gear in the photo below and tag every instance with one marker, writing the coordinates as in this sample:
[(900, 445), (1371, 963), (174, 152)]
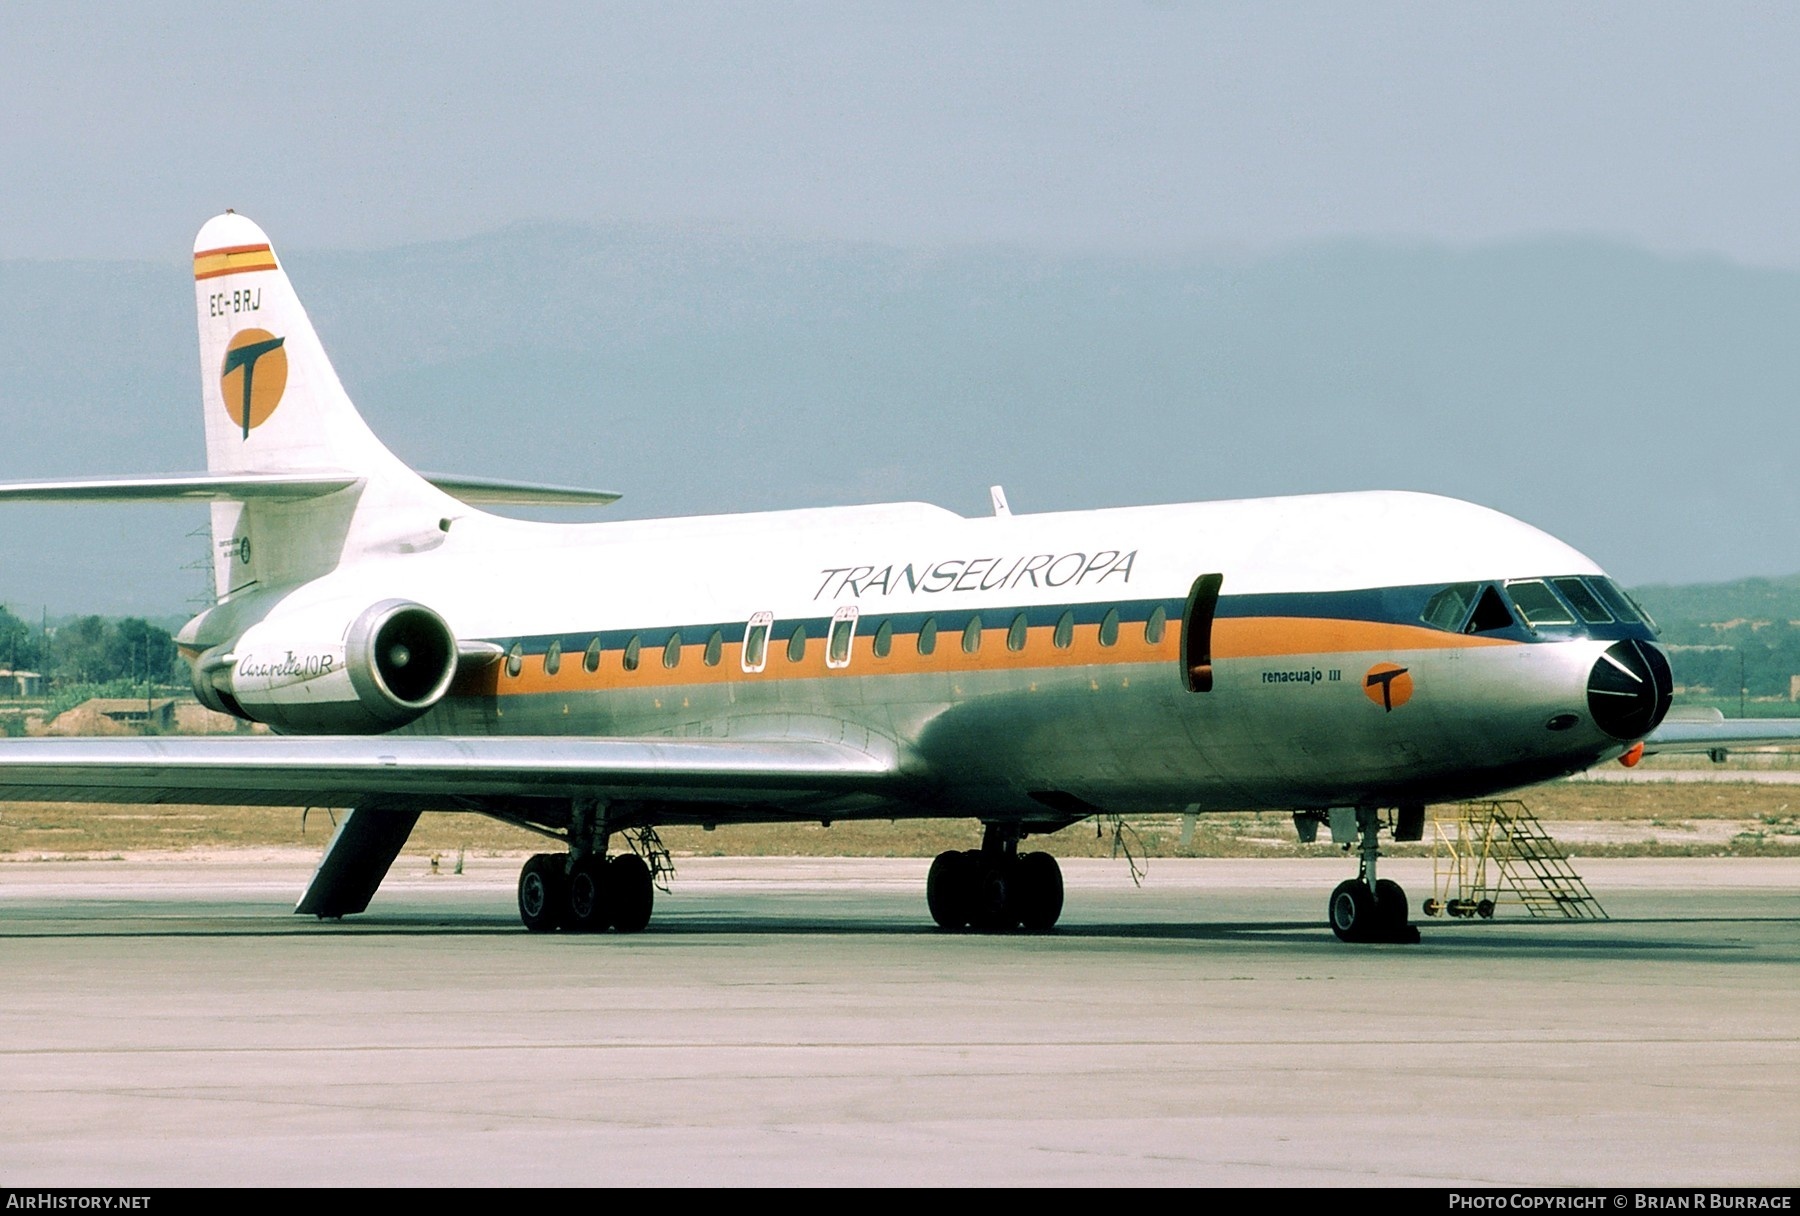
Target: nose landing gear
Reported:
[(1367, 908)]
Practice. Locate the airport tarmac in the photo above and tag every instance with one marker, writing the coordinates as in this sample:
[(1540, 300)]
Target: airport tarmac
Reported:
[(169, 1022)]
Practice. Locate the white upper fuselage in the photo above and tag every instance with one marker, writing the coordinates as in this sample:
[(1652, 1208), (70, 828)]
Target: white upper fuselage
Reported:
[(1287, 722), (1271, 652)]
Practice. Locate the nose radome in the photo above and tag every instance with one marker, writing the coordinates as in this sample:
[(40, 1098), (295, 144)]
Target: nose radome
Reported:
[(1629, 689)]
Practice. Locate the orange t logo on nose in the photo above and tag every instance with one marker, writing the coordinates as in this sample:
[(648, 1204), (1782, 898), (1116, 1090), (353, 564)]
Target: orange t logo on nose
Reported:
[(1389, 685)]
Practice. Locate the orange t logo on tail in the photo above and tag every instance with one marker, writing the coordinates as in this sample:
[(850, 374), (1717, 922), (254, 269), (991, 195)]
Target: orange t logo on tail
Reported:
[(253, 377)]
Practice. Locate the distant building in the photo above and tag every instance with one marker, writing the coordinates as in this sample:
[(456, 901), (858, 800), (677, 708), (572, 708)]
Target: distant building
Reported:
[(20, 683), (135, 712), (1794, 688)]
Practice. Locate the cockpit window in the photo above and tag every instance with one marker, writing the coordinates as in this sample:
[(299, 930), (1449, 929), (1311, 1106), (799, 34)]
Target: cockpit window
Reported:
[(1467, 608), (1568, 600), (1623, 606), (1449, 608), (1587, 605), (1490, 613), (1538, 604)]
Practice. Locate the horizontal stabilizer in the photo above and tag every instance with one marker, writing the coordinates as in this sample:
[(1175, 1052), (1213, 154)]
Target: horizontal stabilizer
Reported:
[(247, 487), (488, 491), (180, 487)]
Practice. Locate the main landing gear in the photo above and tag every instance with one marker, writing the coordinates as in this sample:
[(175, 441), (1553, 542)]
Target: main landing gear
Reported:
[(585, 895), (995, 888), (584, 890), (1366, 908)]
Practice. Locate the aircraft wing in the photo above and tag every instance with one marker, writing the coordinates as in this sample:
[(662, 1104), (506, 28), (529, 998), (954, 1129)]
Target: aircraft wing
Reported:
[(442, 773), (1717, 733)]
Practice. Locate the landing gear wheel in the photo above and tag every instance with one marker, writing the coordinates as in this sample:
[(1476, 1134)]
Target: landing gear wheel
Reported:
[(948, 888), (1037, 891), (631, 896), (991, 903), (585, 902), (1352, 911), (541, 897), (1392, 924)]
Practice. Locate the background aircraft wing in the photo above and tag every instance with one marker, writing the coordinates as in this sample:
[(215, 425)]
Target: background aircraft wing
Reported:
[(1714, 732), (442, 773)]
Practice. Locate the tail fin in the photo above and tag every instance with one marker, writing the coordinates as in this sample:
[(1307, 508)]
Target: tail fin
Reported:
[(275, 405)]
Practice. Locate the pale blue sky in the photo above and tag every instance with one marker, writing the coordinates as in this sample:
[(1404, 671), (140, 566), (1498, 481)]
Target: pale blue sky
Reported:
[(1640, 407), (1118, 127)]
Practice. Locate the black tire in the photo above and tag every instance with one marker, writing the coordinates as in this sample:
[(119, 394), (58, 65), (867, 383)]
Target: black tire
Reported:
[(947, 891), (993, 898), (586, 903), (1038, 891), (1390, 908), (631, 896), (1485, 909), (1351, 911), (1433, 908), (541, 895)]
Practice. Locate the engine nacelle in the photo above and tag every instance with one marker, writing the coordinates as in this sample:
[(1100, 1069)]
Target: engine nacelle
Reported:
[(310, 673)]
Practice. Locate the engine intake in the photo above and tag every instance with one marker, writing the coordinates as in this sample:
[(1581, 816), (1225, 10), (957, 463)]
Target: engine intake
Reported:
[(400, 655), (306, 672)]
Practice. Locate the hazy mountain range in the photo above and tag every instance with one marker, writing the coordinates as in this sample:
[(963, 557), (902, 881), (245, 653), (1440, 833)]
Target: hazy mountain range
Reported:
[(1639, 406)]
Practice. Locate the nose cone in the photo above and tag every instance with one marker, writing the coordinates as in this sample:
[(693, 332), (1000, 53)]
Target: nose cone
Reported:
[(1629, 689)]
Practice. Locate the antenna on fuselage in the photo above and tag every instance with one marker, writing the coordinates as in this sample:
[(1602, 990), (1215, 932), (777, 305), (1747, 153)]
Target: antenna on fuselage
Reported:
[(998, 495)]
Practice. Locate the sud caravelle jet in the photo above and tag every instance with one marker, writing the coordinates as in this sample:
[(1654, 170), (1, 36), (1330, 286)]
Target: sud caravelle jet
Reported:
[(1347, 657)]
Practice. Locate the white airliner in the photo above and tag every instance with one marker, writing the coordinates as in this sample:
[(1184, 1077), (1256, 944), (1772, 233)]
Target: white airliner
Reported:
[(1346, 657)]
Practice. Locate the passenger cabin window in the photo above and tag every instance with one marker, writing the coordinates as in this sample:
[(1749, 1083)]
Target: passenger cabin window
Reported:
[(841, 640), (1064, 636), (1538, 604), (1587, 605), (1153, 628), (756, 640), (928, 635), (553, 659), (884, 639), (515, 659), (715, 649), (1016, 635), (796, 647), (672, 651), (633, 651), (590, 661), (1109, 627), (971, 641)]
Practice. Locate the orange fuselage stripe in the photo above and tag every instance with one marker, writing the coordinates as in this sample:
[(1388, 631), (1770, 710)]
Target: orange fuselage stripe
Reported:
[(1240, 638)]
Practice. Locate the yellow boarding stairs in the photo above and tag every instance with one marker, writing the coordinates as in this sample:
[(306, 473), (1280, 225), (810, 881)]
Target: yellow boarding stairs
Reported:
[(1489, 853)]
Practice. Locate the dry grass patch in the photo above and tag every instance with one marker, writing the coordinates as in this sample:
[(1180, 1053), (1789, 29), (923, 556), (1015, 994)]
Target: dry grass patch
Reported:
[(1769, 814)]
